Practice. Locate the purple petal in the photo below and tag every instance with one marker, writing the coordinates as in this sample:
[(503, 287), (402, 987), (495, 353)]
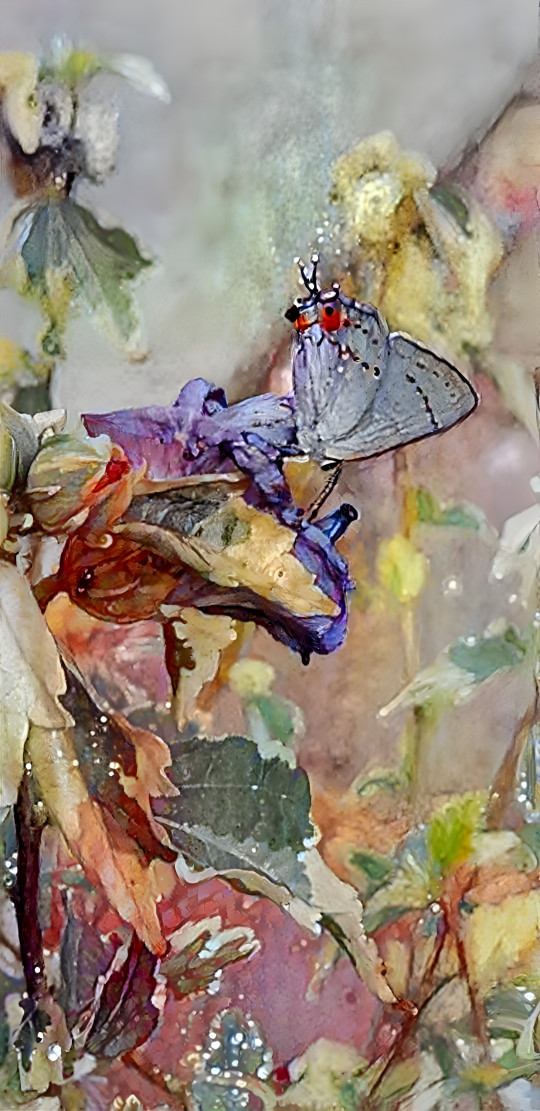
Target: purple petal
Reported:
[(199, 434)]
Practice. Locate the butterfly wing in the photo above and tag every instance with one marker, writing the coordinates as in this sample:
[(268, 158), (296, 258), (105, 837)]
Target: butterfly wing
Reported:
[(335, 379), (419, 393)]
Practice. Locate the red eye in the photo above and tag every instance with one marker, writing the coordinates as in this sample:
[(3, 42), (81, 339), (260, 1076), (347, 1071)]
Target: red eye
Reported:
[(302, 323), (331, 318)]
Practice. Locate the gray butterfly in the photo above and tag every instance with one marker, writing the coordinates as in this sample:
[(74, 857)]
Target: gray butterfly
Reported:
[(361, 390)]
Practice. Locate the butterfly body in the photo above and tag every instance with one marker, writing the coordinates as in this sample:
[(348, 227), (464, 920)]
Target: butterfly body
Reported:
[(362, 390)]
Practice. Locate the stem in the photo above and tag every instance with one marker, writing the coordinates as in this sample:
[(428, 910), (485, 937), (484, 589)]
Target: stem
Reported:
[(412, 1017), (504, 784), (25, 893), (450, 901)]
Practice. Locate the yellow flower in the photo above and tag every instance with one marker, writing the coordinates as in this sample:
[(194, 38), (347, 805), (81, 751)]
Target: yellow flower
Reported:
[(422, 252), (402, 568), (251, 678)]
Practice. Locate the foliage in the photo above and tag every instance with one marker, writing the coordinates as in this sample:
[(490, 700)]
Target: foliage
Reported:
[(147, 859)]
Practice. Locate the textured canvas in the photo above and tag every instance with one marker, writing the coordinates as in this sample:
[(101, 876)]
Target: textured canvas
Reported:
[(269, 554)]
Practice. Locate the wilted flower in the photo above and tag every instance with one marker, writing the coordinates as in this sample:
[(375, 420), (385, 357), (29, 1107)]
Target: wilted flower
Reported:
[(186, 507), (200, 434)]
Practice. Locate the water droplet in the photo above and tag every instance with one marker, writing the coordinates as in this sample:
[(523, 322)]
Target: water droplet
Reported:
[(452, 585), (54, 1052)]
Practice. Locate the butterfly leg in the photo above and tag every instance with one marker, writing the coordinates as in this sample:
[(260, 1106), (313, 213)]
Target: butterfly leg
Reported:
[(326, 491)]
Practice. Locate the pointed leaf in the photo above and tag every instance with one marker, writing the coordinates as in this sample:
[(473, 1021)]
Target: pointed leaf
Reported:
[(66, 243)]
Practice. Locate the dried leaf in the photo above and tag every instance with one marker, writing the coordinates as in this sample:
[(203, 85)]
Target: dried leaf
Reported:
[(125, 1015), (341, 911), (31, 677), (319, 1075), (200, 949), (108, 856), (502, 941), (194, 646)]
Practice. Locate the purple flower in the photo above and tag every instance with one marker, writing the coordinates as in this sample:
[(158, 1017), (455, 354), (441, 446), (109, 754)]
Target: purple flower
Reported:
[(200, 434)]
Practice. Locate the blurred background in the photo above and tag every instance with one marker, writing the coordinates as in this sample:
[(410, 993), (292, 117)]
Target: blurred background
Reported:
[(230, 182)]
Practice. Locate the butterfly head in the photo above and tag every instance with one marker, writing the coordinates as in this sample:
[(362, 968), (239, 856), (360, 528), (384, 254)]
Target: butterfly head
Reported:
[(324, 307)]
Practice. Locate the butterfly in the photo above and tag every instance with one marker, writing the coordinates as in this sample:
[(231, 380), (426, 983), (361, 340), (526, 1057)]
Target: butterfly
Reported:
[(360, 389)]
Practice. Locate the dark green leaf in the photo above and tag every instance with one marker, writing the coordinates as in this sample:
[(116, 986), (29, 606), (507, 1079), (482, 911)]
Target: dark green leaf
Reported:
[(236, 810), (489, 654), (449, 197), (375, 867), (227, 786)]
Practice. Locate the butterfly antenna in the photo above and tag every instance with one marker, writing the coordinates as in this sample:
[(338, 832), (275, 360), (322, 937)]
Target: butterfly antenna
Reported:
[(309, 274), (325, 492)]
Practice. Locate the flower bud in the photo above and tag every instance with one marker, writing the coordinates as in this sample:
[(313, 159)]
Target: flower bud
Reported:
[(8, 460), (69, 475)]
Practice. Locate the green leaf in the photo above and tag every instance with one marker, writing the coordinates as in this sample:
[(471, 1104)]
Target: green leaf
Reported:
[(460, 668), (408, 889), (448, 195), (450, 832), (375, 867), (530, 834), (248, 818), (66, 253), (429, 511), (277, 717), (236, 810), (489, 654)]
